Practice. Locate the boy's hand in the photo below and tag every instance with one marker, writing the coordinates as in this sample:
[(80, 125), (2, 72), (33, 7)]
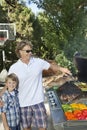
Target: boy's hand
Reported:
[(7, 128), (1, 103)]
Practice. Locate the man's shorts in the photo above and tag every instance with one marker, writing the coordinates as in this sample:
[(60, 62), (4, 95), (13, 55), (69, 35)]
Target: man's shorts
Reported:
[(34, 115)]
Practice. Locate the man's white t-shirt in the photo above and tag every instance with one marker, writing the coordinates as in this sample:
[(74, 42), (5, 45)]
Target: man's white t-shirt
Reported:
[(30, 80)]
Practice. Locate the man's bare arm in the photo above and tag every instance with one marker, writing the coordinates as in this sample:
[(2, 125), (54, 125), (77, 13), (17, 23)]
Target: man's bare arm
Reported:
[(3, 90), (56, 68)]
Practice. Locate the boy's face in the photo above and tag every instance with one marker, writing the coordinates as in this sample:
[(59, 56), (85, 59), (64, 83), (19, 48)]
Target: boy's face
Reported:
[(11, 85)]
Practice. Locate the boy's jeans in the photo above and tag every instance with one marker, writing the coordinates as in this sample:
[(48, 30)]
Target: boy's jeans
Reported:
[(15, 128)]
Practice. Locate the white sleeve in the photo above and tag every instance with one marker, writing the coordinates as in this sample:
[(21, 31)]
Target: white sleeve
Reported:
[(45, 64)]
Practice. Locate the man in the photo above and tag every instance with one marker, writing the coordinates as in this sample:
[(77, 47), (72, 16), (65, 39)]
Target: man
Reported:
[(31, 95)]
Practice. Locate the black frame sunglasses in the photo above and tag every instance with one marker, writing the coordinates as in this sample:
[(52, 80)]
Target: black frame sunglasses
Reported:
[(27, 51)]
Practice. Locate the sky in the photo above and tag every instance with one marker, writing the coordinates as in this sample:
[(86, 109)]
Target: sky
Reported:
[(34, 8)]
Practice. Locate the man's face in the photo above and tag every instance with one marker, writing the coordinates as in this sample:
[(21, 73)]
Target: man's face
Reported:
[(26, 52)]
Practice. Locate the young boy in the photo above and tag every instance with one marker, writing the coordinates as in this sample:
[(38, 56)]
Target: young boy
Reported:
[(10, 111)]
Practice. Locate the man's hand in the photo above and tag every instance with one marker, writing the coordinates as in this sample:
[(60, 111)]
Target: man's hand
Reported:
[(56, 68), (65, 71)]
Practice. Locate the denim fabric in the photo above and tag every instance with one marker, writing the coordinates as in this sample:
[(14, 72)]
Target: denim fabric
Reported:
[(15, 128)]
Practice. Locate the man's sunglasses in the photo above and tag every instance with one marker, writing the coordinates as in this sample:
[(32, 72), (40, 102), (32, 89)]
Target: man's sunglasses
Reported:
[(27, 51)]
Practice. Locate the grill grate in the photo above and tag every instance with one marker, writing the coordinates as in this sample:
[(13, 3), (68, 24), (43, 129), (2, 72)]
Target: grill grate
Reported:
[(68, 92)]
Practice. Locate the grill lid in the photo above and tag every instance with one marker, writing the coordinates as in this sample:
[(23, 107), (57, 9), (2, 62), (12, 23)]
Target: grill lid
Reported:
[(81, 65)]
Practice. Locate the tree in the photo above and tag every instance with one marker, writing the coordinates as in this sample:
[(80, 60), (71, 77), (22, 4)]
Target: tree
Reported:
[(3, 13), (69, 21), (61, 28), (11, 2), (48, 40), (23, 18)]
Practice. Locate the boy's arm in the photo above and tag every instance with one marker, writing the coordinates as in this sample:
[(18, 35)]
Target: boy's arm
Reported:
[(4, 119)]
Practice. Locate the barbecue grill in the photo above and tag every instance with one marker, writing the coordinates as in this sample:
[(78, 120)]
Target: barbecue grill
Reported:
[(55, 102), (68, 93), (81, 65)]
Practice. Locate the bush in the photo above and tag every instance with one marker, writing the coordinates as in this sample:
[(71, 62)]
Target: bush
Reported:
[(64, 62)]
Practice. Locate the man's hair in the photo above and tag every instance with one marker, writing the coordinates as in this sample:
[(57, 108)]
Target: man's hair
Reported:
[(21, 45)]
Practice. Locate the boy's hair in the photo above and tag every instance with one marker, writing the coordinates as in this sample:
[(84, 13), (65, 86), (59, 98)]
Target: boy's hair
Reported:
[(13, 77)]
